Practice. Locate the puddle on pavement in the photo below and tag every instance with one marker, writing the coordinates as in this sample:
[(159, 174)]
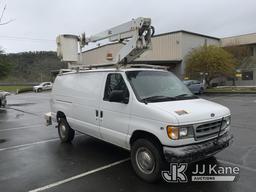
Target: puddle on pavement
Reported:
[(3, 111), (20, 104), (7, 115), (2, 140), (19, 115)]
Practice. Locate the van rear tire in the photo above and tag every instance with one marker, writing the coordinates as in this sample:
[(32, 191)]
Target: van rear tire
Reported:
[(66, 133), (147, 161)]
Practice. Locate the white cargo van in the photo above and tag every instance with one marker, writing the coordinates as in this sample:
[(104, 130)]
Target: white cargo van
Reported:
[(147, 111)]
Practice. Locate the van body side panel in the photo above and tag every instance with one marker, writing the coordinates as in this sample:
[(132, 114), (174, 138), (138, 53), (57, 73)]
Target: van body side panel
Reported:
[(114, 125), (61, 101), (86, 93), (77, 95)]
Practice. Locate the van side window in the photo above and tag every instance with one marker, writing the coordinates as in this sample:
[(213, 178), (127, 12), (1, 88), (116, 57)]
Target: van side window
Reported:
[(114, 81)]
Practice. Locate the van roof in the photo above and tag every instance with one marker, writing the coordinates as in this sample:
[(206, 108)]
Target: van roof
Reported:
[(112, 70)]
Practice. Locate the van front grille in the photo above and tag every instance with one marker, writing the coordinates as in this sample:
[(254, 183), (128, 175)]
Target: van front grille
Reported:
[(207, 130)]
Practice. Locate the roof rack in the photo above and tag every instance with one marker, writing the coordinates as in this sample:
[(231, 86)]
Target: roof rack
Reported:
[(100, 66), (146, 66), (97, 66), (62, 71)]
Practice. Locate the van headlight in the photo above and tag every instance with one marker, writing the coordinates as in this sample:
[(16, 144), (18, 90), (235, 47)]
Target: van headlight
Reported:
[(179, 132), (183, 131), (226, 122)]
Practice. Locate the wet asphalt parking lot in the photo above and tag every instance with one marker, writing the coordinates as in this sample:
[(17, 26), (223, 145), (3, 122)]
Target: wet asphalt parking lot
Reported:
[(32, 157)]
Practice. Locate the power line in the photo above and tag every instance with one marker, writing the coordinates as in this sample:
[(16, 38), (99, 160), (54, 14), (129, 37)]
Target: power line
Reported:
[(24, 38)]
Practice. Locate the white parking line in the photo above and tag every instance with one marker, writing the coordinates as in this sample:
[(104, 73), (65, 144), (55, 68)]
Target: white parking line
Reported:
[(34, 143), (78, 176), (28, 144), (237, 165), (21, 119), (236, 100), (24, 127), (231, 99), (225, 99), (111, 165)]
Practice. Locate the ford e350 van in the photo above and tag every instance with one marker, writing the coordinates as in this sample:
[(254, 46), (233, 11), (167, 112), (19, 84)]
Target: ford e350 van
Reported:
[(147, 111)]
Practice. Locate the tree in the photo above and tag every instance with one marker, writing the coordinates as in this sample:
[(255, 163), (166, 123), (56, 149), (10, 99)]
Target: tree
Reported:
[(212, 61), (239, 52), (5, 65), (2, 15)]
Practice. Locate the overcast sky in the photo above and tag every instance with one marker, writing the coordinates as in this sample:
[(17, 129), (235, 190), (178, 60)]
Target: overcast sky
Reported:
[(38, 22)]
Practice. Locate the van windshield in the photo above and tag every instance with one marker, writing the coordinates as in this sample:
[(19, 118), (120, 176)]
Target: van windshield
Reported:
[(158, 86)]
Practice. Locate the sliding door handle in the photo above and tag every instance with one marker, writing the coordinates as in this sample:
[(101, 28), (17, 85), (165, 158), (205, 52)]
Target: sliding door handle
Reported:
[(101, 114)]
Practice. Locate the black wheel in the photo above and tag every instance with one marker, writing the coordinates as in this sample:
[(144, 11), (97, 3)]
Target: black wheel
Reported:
[(147, 160), (3, 102), (201, 91), (66, 133), (39, 90)]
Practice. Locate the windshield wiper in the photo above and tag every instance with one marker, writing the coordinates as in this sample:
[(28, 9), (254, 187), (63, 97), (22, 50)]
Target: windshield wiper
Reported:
[(157, 98), (185, 96)]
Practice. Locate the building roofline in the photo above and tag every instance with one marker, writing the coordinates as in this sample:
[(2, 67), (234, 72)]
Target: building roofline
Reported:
[(188, 32), (253, 33)]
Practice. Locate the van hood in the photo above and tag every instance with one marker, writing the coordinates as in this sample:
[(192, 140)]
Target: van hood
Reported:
[(193, 110)]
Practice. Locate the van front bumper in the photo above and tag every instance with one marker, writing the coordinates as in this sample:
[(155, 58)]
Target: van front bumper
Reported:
[(199, 151)]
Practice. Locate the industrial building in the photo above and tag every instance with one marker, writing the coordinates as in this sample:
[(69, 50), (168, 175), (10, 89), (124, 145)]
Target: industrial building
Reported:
[(170, 49), (246, 47)]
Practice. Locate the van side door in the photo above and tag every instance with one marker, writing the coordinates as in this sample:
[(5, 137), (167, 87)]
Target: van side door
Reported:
[(115, 116), (86, 95)]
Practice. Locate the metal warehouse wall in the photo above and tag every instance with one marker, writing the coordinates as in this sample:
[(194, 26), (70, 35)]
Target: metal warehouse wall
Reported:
[(239, 40), (165, 48)]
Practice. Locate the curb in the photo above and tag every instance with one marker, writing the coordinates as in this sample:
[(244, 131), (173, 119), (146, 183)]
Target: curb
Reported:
[(229, 93)]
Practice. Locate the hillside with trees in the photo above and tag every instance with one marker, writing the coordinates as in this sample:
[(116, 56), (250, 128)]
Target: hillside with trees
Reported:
[(4, 65), (28, 67)]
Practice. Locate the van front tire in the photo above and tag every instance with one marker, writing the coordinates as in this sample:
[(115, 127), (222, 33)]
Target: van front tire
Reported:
[(66, 133), (147, 161)]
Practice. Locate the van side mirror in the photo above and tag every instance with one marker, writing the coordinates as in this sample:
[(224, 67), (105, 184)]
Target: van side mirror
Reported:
[(118, 96)]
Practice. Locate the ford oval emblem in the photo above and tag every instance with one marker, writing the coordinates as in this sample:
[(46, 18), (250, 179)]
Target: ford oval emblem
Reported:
[(212, 115)]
